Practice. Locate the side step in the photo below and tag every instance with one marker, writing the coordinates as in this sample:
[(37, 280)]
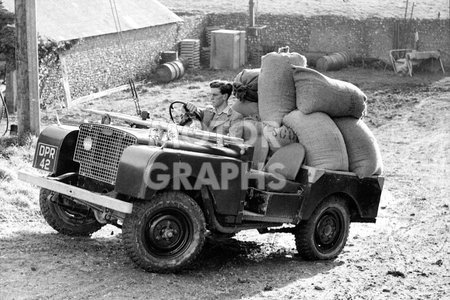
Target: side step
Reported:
[(251, 216)]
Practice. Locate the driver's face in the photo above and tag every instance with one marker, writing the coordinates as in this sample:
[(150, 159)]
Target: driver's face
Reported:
[(217, 98)]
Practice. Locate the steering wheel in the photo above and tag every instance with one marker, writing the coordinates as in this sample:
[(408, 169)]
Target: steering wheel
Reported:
[(186, 117)]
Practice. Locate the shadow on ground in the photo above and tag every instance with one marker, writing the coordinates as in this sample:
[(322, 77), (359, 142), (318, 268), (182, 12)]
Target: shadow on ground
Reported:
[(225, 268)]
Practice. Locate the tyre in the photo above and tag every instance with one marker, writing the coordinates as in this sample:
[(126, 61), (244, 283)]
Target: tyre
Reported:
[(66, 216), (324, 235), (166, 233)]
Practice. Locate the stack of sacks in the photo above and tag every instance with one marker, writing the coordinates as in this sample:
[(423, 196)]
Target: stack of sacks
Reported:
[(343, 143), (278, 137), (363, 152), (323, 142), (245, 88), (262, 136), (276, 93), (298, 104), (317, 92), (276, 88)]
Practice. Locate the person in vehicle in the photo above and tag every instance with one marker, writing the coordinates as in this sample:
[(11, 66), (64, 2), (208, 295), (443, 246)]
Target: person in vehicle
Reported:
[(240, 119), (219, 117)]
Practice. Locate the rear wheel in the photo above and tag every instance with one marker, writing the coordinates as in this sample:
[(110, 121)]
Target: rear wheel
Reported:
[(324, 235), (166, 233), (66, 216)]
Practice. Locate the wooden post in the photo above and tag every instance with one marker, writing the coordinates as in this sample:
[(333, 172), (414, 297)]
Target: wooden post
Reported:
[(65, 81), (27, 69), (251, 5), (406, 9)]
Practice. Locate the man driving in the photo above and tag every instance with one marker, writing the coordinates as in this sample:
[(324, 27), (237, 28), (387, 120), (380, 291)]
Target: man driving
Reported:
[(219, 117)]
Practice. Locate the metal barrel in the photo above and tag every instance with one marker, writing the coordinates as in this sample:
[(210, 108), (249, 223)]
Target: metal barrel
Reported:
[(179, 68), (333, 62), (169, 71), (312, 57)]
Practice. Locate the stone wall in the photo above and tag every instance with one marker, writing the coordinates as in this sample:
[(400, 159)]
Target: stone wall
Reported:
[(103, 62), (193, 26), (51, 90), (369, 38), (433, 35)]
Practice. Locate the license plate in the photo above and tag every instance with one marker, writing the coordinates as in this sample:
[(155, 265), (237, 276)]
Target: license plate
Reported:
[(45, 157)]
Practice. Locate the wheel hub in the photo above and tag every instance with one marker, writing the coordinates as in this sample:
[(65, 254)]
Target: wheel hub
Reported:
[(327, 230), (164, 232)]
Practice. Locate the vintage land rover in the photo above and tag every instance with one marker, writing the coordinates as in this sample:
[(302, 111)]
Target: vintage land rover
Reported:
[(169, 186)]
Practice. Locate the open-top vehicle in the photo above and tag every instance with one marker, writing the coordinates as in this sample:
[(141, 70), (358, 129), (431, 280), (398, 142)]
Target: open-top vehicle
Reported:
[(168, 186)]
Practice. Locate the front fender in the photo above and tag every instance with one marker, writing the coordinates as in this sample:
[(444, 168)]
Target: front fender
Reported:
[(64, 138), (144, 170), (131, 179)]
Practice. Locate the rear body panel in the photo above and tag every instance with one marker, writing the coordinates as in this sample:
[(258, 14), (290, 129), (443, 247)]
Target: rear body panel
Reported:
[(364, 193)]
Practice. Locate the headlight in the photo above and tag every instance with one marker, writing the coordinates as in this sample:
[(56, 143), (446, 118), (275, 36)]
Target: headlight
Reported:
[(87, 143)]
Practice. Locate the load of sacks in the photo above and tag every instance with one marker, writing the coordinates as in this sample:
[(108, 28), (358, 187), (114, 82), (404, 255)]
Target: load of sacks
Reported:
[(298, 104)]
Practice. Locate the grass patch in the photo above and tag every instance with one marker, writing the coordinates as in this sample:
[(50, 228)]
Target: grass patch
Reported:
[(8, 141), (5, 175), (19, 199)]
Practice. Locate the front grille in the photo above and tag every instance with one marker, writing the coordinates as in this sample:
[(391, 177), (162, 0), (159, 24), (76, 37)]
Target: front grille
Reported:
[(98, 150)]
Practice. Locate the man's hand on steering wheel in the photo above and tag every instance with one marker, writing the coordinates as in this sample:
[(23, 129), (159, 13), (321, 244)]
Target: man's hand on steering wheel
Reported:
[(190, 112), (191, 108)]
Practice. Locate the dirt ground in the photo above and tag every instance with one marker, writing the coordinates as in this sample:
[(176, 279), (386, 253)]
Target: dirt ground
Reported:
[(404, 255)]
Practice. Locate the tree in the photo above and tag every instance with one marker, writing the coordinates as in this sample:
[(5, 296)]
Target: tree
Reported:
[(7, 36)]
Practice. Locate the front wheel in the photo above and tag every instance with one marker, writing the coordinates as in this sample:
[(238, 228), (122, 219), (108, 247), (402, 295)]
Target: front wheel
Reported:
[(324, 234), (66, 216), (165, 233)]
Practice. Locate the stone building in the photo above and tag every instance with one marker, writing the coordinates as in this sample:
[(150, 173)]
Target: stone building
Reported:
[(99, 44)]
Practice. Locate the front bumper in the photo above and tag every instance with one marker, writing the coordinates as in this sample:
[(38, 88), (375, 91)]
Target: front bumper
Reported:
[(78, 193)]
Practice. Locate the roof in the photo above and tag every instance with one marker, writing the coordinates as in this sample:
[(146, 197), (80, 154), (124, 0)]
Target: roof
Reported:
[(63, 20)]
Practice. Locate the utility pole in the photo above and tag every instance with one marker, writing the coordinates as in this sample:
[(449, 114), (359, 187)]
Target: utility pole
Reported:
[(27, 69)]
